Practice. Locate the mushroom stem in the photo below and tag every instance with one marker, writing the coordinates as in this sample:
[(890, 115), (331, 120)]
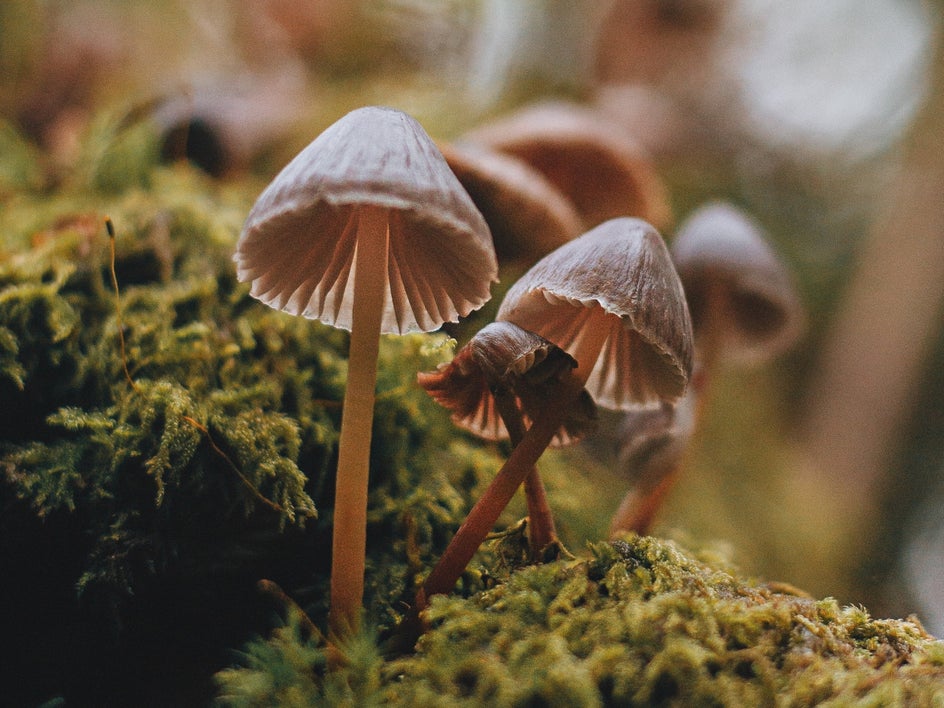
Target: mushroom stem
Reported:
[(490, 505), (349, 540), (638, 509), (543, 532)]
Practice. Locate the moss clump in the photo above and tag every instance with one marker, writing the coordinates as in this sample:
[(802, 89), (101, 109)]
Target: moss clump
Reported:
[(639, 623), (162, 452)]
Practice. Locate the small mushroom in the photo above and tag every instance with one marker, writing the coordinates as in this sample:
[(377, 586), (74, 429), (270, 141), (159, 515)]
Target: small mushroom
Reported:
[(495, 386), (744, 306), (528, 216), (597, 166), (612, 299), (368, 230), (744, 310), (562, 393)]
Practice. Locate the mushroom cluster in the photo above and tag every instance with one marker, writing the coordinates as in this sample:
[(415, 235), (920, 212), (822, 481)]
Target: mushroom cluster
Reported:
[(608, 318)]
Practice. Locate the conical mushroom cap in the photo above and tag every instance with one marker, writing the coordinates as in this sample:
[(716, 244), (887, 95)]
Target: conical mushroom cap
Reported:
[(735, 284), (297, 245), (616, 283), (502, 355), (527, 215), (603, 171)]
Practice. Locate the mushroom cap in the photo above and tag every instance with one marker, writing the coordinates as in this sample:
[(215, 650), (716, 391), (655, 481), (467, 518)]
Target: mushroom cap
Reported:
[(603, 171), (528, 216), (736, 284), (616, 283), (502, 355), (297, 245)]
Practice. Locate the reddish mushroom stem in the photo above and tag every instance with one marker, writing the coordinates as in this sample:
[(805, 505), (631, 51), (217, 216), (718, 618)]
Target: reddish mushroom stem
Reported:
[(542, 529), (349, 540), (487, 509)]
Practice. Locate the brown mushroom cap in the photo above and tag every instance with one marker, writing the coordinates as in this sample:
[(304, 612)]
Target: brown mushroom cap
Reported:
[(297, 245), (736, 285), (614, 286), (601, 169), (502, 355), (528, 216)]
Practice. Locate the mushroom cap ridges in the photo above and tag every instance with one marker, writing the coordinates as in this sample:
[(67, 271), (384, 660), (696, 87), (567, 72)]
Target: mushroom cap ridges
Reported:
[(617, 278), (297, 245)]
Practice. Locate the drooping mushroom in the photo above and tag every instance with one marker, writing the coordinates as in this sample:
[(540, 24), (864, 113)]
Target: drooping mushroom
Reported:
[(528, 216), (561, 395), (613, 300), (745, 310), (367, 230), (597, 166), (495, 386)]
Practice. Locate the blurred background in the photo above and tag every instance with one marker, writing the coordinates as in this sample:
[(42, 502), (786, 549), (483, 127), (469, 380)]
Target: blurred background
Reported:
[(823, 119)]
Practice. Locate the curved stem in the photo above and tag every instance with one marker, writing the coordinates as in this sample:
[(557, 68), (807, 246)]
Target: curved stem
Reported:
[(542, 530), (487, 509), (349, 535)]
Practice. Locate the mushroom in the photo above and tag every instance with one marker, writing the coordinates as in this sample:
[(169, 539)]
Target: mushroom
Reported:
[(744, 306), (223, 126), (528, 216), (562, 393), (744, 310), (613, 300), (601, 169), (495, 386), (653, 443), (367, 230)]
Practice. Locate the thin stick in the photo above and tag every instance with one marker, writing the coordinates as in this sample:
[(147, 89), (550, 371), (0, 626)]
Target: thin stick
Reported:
[(110, 227)]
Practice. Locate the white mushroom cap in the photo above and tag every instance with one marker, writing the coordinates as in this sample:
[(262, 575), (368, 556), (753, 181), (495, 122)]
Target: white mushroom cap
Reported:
[(612, 295), (297, 245), (736, 285)]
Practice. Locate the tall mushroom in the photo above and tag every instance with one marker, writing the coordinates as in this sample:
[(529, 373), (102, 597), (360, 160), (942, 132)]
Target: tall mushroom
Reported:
[(495, 386), (368, 230), (745, 310), (600, 168)]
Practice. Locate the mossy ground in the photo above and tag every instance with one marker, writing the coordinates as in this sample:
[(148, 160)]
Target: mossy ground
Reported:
[(162, 453), (637, 622)]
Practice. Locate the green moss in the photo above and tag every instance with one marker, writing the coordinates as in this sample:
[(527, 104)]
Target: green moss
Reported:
[(182, 439), (639, 622), (162, 452)]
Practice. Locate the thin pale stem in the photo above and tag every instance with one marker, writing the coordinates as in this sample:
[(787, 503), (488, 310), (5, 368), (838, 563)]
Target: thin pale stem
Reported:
[(541, 526), (349, 540)]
